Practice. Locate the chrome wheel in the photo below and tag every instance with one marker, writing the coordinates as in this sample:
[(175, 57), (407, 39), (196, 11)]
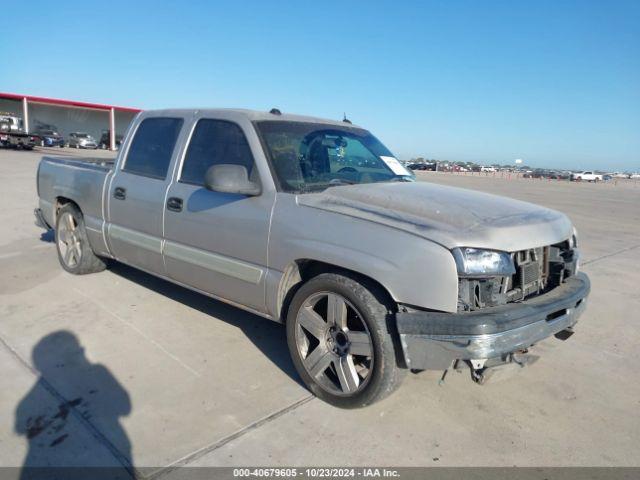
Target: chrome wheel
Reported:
[(69, 243), (334, 343)]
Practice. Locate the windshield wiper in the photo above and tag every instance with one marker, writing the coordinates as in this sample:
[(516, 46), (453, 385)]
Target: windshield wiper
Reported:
[(340, 181), (401, 178)]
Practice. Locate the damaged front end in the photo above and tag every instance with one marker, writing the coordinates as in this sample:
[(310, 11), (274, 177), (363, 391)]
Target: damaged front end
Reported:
[(537, 270), (494, 369), (501, 316)]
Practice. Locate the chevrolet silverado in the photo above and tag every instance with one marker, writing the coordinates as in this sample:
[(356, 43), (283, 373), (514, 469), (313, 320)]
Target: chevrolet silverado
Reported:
[(315, 224)]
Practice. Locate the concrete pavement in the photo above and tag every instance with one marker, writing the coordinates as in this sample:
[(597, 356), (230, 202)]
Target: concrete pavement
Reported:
[(153, 375)]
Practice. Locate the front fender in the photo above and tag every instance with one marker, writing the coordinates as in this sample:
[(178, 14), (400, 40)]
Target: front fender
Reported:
[(414, 271)]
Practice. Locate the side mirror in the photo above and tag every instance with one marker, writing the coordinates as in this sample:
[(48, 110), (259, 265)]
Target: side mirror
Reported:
[(228, 178)]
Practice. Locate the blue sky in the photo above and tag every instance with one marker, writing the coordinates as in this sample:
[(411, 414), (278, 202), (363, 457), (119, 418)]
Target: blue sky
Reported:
[(556, 83)]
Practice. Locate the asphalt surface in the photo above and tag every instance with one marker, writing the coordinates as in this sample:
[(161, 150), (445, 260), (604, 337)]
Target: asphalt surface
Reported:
[(123, 369)]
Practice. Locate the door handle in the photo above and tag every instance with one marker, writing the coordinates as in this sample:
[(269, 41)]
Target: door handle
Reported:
[(120, 193), (174, 204)]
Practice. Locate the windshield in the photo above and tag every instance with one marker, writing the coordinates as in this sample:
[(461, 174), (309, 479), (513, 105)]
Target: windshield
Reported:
[(82, 135), (312, 156)]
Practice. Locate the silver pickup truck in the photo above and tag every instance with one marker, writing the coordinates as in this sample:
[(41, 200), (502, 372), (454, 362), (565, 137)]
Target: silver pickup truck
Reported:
[(315, 224)]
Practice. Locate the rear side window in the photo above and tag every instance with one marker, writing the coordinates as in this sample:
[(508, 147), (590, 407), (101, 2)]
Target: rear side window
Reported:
[(152, 146), (215, 142)]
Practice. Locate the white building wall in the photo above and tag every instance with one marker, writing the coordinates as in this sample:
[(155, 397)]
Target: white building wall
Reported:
[(68, 119)]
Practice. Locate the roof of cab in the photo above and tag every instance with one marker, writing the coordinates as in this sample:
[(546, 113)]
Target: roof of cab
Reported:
[(253, 115)]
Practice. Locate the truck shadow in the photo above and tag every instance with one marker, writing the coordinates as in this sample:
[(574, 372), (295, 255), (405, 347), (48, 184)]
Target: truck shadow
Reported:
[(269, 337), (49, 236)]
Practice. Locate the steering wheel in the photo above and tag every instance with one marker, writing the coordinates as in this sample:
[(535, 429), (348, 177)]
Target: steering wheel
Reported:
[(347, 170)]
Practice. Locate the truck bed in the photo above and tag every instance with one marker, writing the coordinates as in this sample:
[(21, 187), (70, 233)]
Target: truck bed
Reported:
[(80, 180), (98, 163)]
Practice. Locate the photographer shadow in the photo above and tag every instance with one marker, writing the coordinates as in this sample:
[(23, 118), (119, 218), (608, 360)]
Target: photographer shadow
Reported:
[(92, 405)]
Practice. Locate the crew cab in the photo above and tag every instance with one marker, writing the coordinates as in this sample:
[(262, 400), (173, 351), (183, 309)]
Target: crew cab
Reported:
[(314, 223)]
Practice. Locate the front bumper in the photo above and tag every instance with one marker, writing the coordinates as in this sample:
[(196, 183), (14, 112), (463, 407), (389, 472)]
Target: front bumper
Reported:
[(434, 340)]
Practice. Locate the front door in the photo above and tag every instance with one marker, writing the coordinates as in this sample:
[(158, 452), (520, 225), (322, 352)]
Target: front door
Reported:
[(217, 242), (137, 192)]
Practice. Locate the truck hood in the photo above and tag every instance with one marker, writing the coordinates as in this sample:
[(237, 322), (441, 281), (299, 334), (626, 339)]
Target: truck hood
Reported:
[(452, 217)]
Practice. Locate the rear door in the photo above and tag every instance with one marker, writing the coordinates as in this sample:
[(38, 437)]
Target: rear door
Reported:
[(217, 242), (137, 193)]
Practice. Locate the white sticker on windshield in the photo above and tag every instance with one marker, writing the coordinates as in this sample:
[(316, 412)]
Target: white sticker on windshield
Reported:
[(395, 166)]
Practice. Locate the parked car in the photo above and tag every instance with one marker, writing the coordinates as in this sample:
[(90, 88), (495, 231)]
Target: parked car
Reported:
[(49, 138), (556, 175), (588, 176), (371, 272), (417, 166), (81, 140), (105, 140), (537, 173)]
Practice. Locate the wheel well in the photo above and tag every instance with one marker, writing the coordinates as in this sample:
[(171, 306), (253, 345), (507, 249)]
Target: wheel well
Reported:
[(302, 270), (61, 202)]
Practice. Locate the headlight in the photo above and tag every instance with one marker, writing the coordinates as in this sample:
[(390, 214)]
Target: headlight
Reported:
[(573, 244), (472, 262), (573, 241)]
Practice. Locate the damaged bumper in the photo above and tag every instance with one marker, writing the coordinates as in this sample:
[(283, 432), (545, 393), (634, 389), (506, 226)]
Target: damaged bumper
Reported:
[(434, 340)]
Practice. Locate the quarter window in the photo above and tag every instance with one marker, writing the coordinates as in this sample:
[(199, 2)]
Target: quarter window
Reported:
[(215, 142), (152, 147)]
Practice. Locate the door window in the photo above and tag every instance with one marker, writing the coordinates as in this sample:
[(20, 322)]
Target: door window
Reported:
[(215, 142), (152, 147)]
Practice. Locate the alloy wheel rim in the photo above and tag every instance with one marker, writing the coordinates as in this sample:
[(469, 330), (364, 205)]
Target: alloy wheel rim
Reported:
[(334, 343), (69, 243)]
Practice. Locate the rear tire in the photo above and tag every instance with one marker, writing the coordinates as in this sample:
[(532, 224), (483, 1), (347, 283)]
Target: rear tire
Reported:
[(74, 251), (339, 340)]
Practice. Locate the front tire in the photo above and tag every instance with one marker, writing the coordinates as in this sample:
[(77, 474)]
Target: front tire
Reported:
[(339, 340), (74, 251)]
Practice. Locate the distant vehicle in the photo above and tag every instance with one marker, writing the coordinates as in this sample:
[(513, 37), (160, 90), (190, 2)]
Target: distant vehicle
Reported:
[(105, 140), (81, 140), (634, 175), (49, 138), (423, 166), (417, 166), (555, 175), (607, 177), (537, 173), (12, 133), (487, 169), (586, 177)]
